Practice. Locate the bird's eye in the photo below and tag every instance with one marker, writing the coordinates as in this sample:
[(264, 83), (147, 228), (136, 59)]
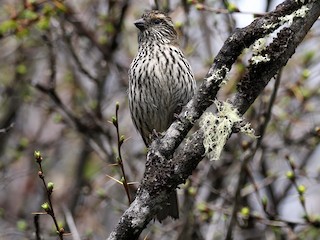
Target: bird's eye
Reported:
[(157, 21)]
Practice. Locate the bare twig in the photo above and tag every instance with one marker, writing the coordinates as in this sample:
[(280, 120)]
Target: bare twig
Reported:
[(48, 207), (120, 140), (7, 129), (89, 131), (76, 58), (71, 224), (37, 226)]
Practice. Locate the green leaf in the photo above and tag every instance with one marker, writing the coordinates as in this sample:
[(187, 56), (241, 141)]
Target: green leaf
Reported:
[(232, 7), (245, 211), (24, 142), (28, 14), (43, 23), (290, 175), (7, 26), (306, 73), (22, 225), (23, 32), (45, 206), (109, 28), (21, 69), (301, 189), (50, 186), (308, 57), (47, 9)]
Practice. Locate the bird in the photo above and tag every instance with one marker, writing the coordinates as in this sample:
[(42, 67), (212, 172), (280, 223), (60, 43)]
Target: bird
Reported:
[(161, 82)]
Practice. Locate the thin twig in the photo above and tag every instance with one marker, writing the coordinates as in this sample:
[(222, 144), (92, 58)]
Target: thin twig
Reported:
[(76, 58), (89, 131), (6, 129), (120, 140), (203, 7), (299, 188), (49, 210), (248, 157), (37, 226), (71, 224)]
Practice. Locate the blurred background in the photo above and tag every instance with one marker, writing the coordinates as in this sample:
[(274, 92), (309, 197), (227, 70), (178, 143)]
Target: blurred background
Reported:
[(63, 68)]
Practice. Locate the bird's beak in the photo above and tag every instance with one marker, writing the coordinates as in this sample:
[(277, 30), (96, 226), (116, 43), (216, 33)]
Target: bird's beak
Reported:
[(140, 23)]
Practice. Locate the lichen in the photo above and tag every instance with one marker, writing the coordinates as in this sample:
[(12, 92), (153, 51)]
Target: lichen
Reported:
[(300, 13), (259, 45), (217, 128), (268, 26), (262, 43), (218, 76), (260, 58)]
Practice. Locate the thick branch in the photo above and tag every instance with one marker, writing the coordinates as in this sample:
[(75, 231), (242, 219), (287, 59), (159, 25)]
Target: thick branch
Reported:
[(163, 172)]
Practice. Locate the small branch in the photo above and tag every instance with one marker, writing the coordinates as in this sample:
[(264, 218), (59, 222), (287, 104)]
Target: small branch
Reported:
[(299, 188), (106, 49), (92, 132), (120, 140), (203, 7), (262, 131), (48, 207), (6, 129), (52, 60), (267, 115), (37, 226), (241, 181), (71, 224), (76, 58), (298, 167)]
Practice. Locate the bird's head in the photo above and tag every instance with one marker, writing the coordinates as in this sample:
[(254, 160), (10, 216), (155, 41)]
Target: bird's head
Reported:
[(156, 26)]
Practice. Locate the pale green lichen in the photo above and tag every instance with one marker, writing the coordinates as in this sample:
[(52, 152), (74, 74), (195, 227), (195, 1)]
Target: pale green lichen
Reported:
[(189, 117), (262, 43), (259, 45), (268, 26), (248, 130), (217, 128), (260, 58), (217, 76), (300, 13)]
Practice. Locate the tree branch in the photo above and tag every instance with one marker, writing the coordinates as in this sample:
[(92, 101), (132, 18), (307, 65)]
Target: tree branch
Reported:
[(292, 20)]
